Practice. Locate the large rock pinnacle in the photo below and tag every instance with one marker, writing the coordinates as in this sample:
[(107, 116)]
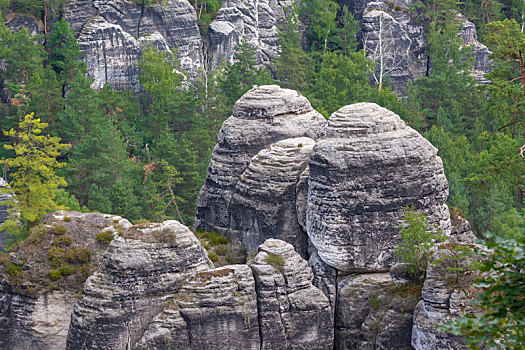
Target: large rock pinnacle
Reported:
[(363, 174)]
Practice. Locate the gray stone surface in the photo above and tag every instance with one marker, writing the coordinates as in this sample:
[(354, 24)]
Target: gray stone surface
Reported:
[(263, 205), (142, 268), (363, 174), (373, 313), (447, 295), (32, 319), (4, 214), (261, 117), (482, 64), (111, 34), (293, 314), (215, 309), (255, 21)]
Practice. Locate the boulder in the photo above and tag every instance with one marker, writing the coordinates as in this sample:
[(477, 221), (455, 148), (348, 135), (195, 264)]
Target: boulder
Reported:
[(263, 205), (368, 168), (215, 309), (447, 295), (261, 117), (36, 305), (293, 314), (142, 268), (374, 313)]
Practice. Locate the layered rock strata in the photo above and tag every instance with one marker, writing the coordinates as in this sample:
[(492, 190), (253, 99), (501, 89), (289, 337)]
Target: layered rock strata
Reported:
[(293, 314), (257, 22), (447, 295), (142, 268), (112, 33), (261, 117), (215, 309), (374, 313), (35, 310), (263, 205), (4, 214), (367, 169)]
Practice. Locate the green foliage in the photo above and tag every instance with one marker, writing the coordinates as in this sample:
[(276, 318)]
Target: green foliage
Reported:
[(105, 237), (213, 257), (32, 178), (502, 324), (54, 274), (276, 261), (62, 241), (80, 255), (417, 240)]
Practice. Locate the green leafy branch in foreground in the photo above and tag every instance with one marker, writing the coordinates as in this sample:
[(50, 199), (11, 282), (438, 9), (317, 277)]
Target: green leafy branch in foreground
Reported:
[(502, 298)]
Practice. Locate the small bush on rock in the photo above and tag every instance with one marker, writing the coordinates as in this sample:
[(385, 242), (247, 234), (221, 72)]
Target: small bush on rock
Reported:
[(105, 237), (417, 241), (276, 261)]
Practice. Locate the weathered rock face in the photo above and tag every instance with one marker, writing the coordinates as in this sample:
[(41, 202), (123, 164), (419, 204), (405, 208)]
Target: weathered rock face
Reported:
[(34, 314), (111, 33), (17, 21), (263, 205), (293, 314), (373, 313), (255, 21), (447, 295), (261, 117), (363, 174), (215, 309), (4, 213), (482, 64), (387, 42), (142, 268)]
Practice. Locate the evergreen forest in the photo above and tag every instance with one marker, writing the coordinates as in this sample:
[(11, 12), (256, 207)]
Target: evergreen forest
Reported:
[(144, 155)]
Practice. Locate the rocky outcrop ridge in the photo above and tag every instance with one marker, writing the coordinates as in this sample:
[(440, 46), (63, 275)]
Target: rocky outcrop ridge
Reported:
[(363, 174), (374, 313), (447, 295), (482, 64), (215, 309), (142, 268), (112, 33), (36, 306), (293, 314), (257, 22), (263, 205), (4, 214), (261, 117)]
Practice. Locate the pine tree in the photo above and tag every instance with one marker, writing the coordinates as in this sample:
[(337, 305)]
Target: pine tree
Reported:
[(32, 177)]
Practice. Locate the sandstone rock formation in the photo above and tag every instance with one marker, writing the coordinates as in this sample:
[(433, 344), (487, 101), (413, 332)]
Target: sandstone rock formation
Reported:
[(263, 116), (4, 214), (293, 314), (363, 174), (142, 268), (482, 64), (255, 21), (263, 205), (111, 34), (35, 310), (215, 309), (447, 295), (373, 313)]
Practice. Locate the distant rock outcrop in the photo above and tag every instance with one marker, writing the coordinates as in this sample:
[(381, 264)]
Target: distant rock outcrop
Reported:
[(142, 269), (257, 22), (111, 35), (263, 116), (293, 314), (4, 214), (367, 169)]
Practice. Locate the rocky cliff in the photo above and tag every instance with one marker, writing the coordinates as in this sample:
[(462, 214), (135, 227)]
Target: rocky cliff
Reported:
[(40, 280), (4, 214), (317, 207)]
